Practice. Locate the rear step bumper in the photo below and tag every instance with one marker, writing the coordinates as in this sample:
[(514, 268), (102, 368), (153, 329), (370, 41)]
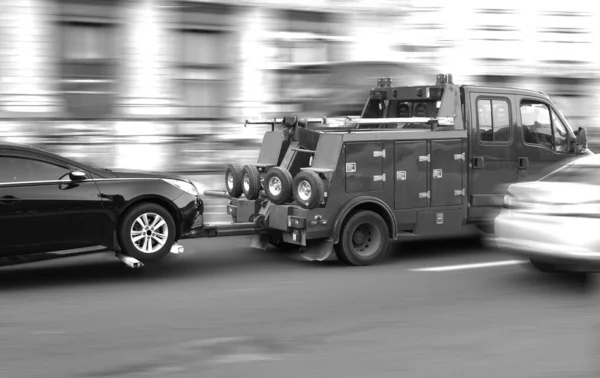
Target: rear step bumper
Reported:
[(210, 230)]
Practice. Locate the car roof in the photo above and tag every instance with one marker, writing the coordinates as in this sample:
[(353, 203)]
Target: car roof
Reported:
[(37, 150), (24, 147)]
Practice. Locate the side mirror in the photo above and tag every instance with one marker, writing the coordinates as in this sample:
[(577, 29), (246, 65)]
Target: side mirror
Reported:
[(77, 176)]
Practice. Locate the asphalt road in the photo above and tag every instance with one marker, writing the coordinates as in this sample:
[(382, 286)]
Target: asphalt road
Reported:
[(223, 309)]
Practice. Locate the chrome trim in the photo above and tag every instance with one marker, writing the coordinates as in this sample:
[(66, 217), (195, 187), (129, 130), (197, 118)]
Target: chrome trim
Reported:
[(38, 182), (76, 181)]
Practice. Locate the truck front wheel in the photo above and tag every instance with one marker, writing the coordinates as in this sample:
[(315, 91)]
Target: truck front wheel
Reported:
[(364, 239)]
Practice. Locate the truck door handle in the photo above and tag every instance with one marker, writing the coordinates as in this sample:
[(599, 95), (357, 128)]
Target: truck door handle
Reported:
[(523, 163), (478, 163), (8, 199)]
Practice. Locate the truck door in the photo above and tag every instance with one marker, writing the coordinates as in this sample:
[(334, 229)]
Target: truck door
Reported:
[(544, 139), (493, 152)]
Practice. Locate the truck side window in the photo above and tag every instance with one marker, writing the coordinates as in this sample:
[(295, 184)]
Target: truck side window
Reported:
[(493, 120), (540, 128)]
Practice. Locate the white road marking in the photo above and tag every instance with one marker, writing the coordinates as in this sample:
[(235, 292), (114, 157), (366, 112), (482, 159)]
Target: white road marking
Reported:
[(470, 266), (245, 357)]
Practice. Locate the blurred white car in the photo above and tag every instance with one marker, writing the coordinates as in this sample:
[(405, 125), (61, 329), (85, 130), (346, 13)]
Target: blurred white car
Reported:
[(555, 222)]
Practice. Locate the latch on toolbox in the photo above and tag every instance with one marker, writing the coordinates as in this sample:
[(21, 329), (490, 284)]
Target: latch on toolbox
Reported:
[(379, 177), (380, 154), (425, 195), (459, 156), (425, 158), (460, 193)]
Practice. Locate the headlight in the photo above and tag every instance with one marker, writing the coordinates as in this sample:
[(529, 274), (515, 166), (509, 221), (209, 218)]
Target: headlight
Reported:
[(508, 201), (183, 185)]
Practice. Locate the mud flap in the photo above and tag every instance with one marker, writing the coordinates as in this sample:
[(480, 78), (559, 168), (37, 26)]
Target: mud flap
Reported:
[(260, 241), (317, 250)]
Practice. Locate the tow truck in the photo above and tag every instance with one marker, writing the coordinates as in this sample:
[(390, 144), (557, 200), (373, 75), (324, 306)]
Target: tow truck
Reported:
[(429, 160)]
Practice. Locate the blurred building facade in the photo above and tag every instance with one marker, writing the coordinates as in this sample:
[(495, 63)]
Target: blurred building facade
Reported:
[(166, 84)]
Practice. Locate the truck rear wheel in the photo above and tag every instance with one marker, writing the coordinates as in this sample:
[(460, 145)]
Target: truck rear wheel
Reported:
[(309, 189), (278, 185), (251, 182), (233, 180), (364, 239)]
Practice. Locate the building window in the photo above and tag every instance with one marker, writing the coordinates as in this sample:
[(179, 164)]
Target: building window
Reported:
[(305, 37), (88, 48), (493, 120), (207, 50), (205, 73)]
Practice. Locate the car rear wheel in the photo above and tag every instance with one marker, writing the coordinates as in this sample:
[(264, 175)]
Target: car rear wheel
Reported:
[(364, 239), (147, 232), (543, 267)]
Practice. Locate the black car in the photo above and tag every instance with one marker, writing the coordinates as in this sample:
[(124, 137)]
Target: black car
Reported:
[(49, 203)]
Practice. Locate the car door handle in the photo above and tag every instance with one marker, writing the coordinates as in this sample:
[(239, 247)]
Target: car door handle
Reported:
[(523, 163), (8, 199), (478, 162)]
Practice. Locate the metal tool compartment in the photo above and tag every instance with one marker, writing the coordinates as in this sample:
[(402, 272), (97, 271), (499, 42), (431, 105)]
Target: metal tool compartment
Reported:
[(364, 167), (411, 164), (447, 172), (441, 221)]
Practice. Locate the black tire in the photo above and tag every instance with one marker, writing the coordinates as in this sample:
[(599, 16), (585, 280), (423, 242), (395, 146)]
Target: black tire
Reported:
[(317, 187), (364, 239), (127, 229), (233, 172), (280, 178), (251, 182), (543, 267)]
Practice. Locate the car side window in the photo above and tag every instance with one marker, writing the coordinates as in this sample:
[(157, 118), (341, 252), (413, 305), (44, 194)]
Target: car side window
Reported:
[(493, 120), (541, 126), (17, 169)]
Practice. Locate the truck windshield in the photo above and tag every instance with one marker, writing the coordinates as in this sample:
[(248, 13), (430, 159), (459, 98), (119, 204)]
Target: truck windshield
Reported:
[(578, 174)]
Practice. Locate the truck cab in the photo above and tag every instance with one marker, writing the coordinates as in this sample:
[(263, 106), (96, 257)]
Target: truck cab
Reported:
[(419, 160)]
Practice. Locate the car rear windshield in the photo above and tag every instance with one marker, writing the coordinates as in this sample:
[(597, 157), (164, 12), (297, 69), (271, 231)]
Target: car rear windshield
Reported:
[(580, 174)]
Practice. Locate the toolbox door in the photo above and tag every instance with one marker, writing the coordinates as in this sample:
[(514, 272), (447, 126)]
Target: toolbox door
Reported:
[(364, 167), (447, 172), (410, 170)]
